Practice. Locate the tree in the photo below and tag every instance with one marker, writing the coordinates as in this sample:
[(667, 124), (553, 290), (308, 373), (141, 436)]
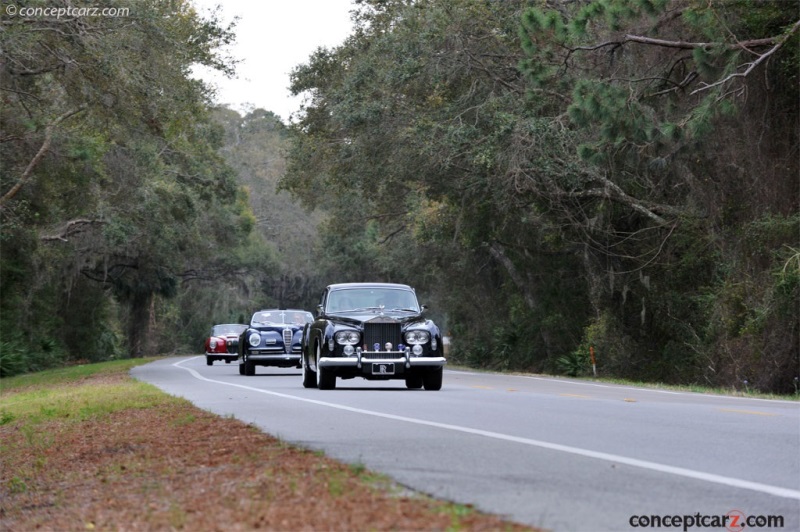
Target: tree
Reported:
[(673, 104), (255, 146), (110, 171), (406, 141), (570, 175)]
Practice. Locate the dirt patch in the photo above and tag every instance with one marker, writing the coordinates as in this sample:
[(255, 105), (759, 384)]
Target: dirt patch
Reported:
[(174, 466)]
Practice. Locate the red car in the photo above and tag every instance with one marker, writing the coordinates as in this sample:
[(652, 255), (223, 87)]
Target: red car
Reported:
[(223, 343)]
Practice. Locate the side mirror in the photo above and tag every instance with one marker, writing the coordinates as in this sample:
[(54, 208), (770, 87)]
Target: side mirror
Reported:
[(319, 310), (423, 308)]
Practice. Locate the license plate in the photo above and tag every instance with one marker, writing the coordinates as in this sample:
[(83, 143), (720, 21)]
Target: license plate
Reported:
[(384, 368)]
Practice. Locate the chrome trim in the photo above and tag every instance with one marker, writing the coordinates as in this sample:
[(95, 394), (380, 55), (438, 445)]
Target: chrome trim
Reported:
[(356, 362), (287, 340), (367, 360), (280, 356), (343, 362), (383, 355), (427, 361)]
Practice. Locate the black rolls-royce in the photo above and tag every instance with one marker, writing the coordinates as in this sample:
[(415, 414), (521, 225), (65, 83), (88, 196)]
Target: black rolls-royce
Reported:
[(272, 339), (372, 330)]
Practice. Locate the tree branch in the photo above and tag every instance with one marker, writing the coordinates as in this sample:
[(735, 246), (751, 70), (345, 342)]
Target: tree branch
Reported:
[(692, 45), (71, 228), (751, 66), (500, 256), (684, 45), (613, 192), (48, 137)]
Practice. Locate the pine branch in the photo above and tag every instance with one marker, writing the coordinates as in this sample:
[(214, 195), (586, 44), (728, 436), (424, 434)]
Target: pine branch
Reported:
[(692, 45), (751, 66), (685, 45)]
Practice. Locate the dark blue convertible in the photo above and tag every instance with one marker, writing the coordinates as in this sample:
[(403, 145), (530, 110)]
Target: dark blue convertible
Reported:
[(272, 339)]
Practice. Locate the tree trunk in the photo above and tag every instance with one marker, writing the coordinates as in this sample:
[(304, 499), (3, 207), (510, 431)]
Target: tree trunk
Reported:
[(139, 325), (522, 284)]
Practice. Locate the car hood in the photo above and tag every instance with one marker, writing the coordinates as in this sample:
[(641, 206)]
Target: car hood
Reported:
[(226, 336)]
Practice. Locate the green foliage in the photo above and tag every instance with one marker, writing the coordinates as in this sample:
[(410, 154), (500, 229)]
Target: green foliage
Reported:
[(609, 206), (12, 358), (712, 313), (546, 183), (128, 196), (575, 364)]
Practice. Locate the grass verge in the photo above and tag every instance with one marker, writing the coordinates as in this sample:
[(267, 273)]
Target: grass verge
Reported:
[(90, 448), (690, 388)]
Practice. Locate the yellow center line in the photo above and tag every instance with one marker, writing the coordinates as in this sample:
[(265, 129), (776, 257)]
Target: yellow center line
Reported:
[(751, 412), (574, 395)]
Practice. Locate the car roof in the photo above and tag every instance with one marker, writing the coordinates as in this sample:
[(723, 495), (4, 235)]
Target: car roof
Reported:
[(340, 286)]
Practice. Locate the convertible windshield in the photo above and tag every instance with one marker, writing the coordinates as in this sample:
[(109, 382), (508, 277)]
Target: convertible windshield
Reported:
[(222, 330), (353, 299), (281, 317)]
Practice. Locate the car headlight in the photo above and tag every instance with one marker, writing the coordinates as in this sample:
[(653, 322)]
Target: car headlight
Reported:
[(254, 339), (347, 337), (417, 337), (212, 344)]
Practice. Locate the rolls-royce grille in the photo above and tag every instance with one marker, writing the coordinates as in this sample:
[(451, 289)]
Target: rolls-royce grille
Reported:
[(382, 356), (380, 333), (287, 340)]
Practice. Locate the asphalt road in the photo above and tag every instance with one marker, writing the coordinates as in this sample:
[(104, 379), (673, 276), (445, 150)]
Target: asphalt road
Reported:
[(555, 453)]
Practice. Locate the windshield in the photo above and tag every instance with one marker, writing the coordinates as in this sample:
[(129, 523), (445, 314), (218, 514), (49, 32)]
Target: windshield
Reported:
[(350, 299), (281, 317), (223, 330)]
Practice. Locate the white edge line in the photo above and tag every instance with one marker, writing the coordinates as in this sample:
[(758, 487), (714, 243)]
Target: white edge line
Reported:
[(643, 464)]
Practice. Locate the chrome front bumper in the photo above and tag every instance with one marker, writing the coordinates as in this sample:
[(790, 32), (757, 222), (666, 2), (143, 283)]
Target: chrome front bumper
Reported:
[(276, 357), (403, 358), (222, 356)]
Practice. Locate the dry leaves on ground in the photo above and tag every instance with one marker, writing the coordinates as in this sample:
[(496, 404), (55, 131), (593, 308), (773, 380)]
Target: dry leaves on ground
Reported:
[(174, 466)]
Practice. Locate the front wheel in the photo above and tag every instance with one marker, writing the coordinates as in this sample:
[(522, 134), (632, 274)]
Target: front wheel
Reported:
[(209, 361), (432, 380), (414, 382), (326, 380), (309, 377), (249, 367)]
